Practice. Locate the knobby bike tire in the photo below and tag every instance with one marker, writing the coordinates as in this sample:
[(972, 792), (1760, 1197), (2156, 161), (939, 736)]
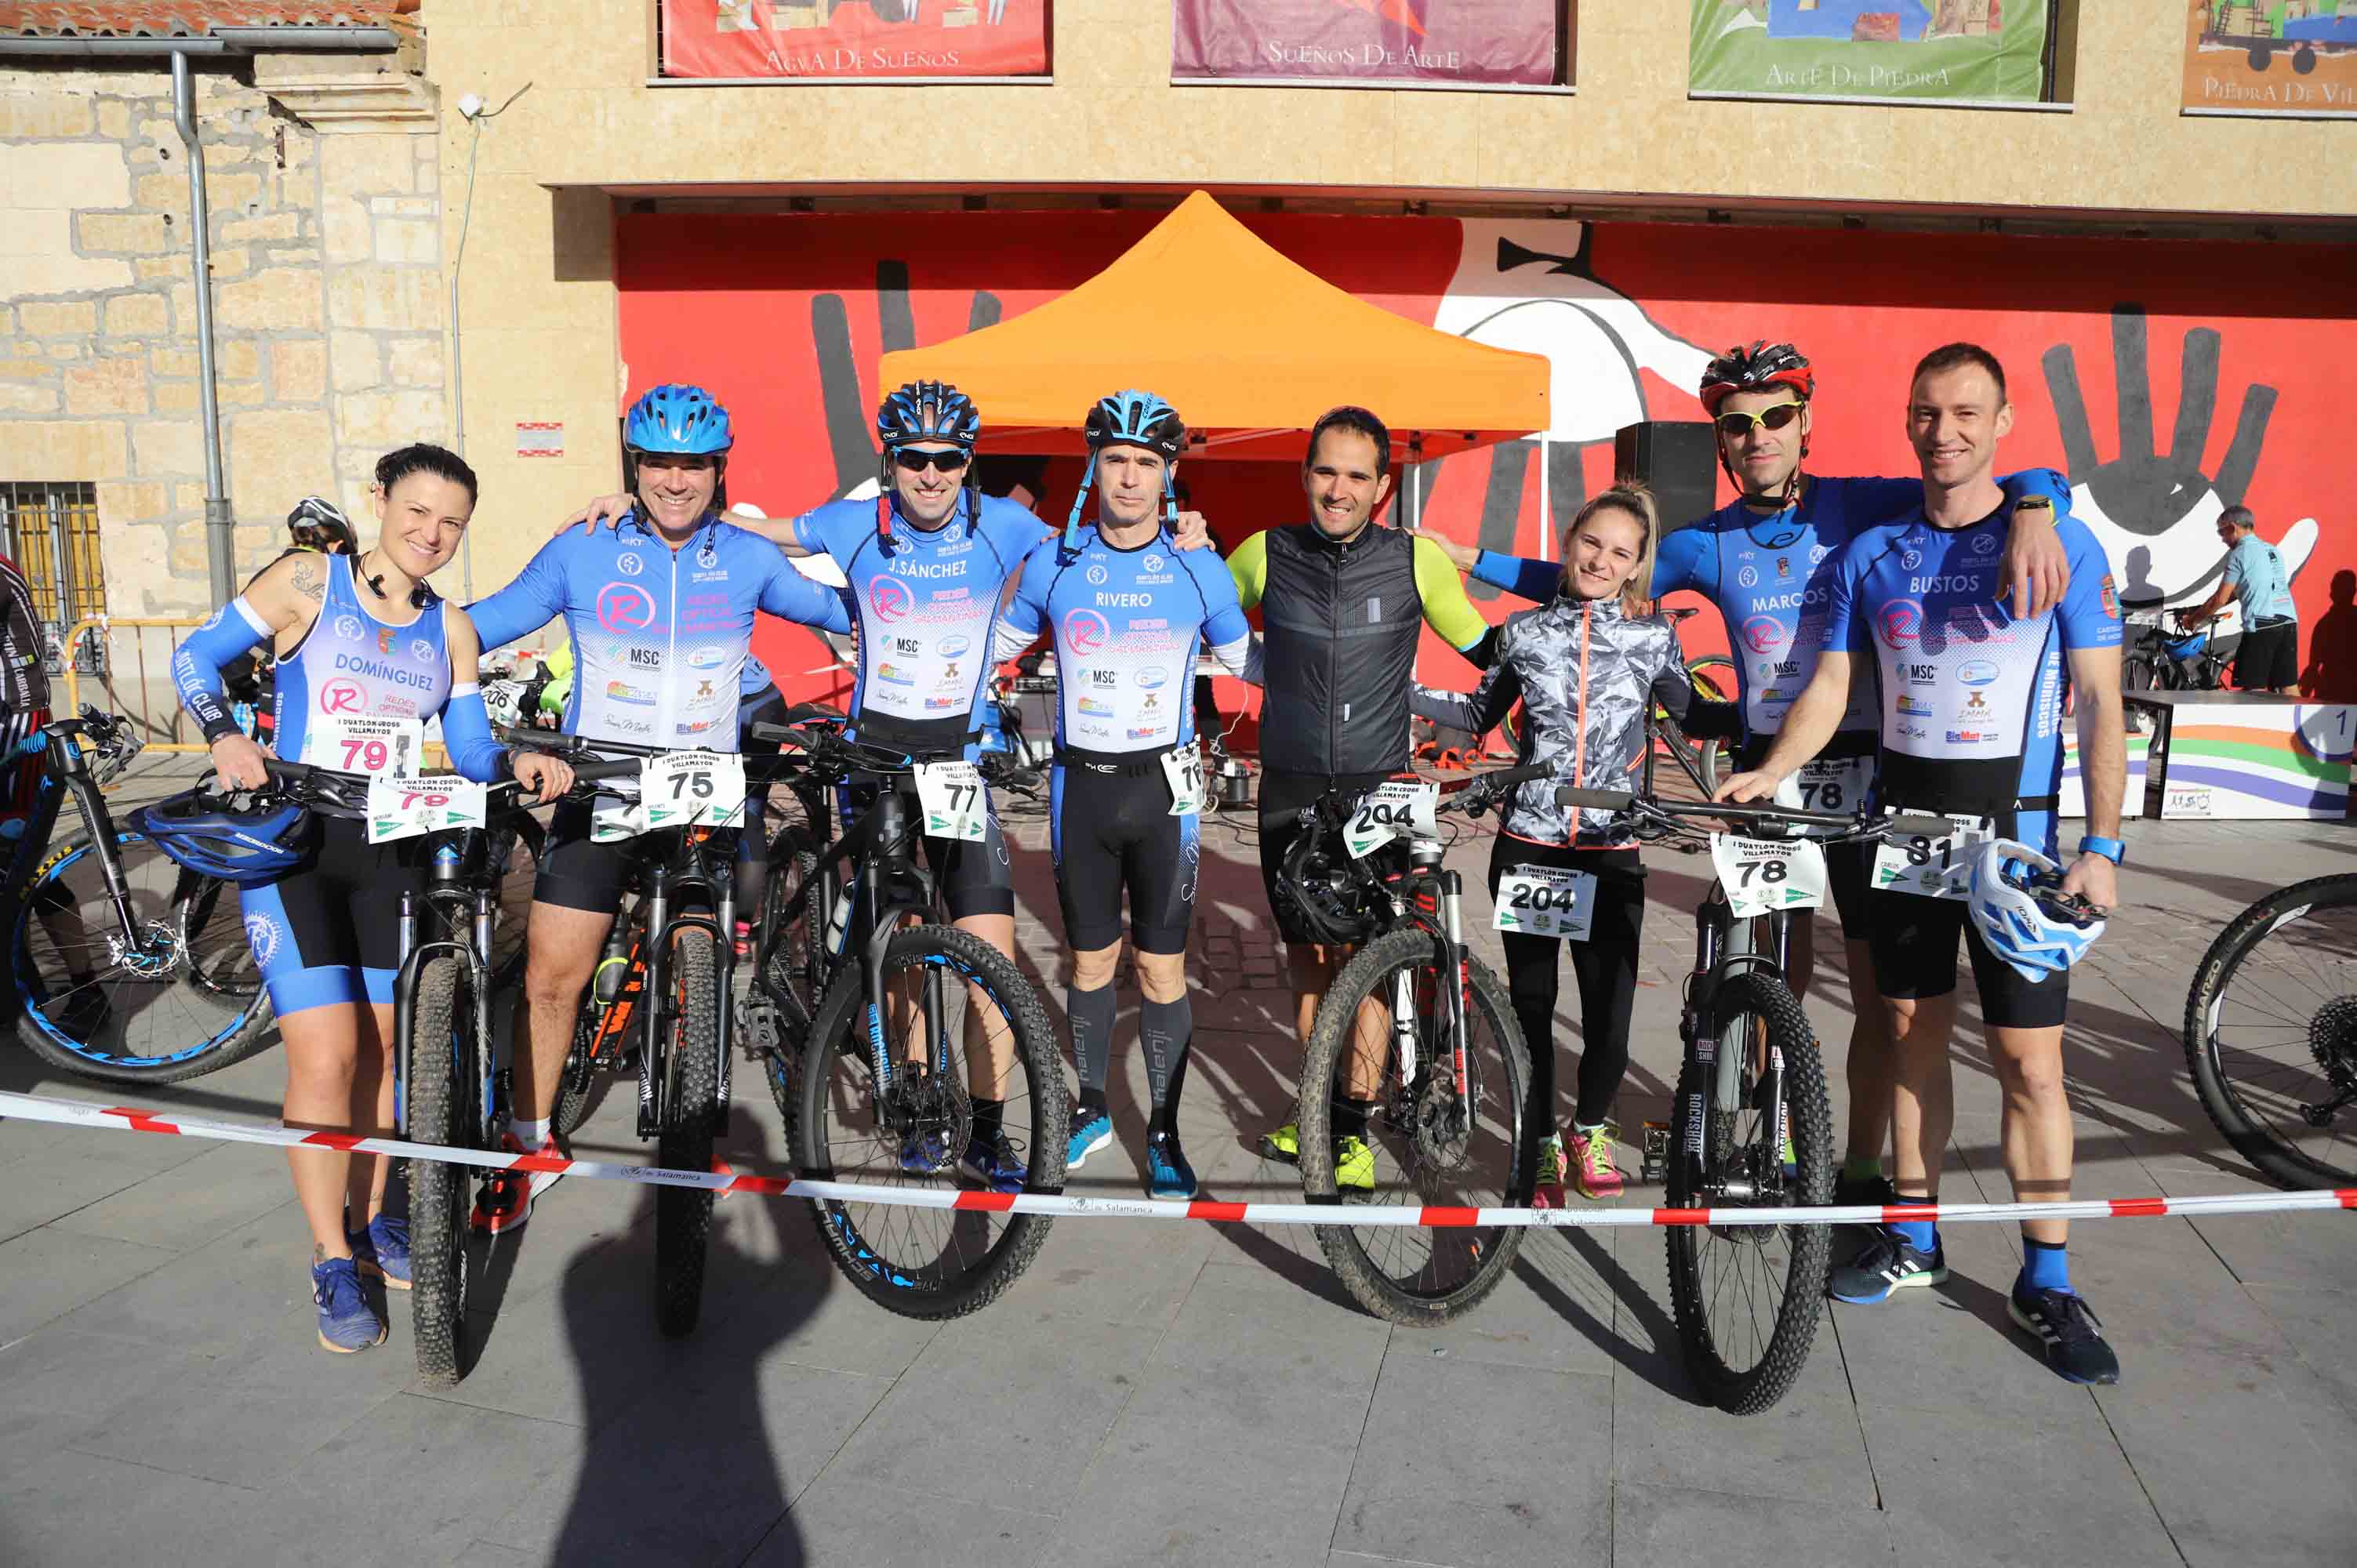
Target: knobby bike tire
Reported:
[(1699, 1124), (1369, 1284), (2215, 1082), (918, 1290), (228, 1045), (579, 1075), (691, 1121), (442, 1063)]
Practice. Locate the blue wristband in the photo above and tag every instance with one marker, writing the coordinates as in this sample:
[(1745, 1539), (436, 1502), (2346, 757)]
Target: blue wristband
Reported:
[(2113, 850)]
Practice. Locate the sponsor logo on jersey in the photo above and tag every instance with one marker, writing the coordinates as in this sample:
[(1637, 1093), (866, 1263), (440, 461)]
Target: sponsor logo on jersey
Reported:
[(889, 599), (707, 558), (1977, 671), (1151, 703), (342, 697), (262, 935), (1901, 622), (706, 658), (1915, 706), (894, 675), (950, 675), (908, 647), (953, 647), (1909, 560), (2111, 598), (384, 639), (641, 658), (419, 647), (623, 692), (1151, 676), (348, 626), (1775, 694), (627, 726), (1148, 733), (1099, 731), (1975, 705), (702, 691), (1747, 577), (1097, 575), (1913, 732), (1971, 737), (625, 606), (1921, 674), (396, 707), (1151, 562), (1085, 631), (1817, 552), (939, 704), (1100, 710), (630, 564), (1984, 544), (698, 727), (1762, 633), (1783, 567)]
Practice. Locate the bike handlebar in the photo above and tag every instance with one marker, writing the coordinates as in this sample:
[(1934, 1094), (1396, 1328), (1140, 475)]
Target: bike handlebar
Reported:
[(1857, 824)]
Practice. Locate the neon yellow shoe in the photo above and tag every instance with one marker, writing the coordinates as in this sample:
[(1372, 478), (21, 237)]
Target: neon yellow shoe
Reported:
[(1547, 1192), (1354, 1166), (1283, 1145), (1591, 1162)]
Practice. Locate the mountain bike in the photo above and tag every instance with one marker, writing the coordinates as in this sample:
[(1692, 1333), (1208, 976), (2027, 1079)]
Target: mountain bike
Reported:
[(2190, 658), (904, 1012), (1425, 1032), (1750, 1126), (2271, 1033)]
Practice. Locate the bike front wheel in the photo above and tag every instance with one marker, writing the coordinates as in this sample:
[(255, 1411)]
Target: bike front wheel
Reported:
[(1746, 1298), (929, 1262), (169, 998), (444, 1076), (691, 1123), (2271, 1033), (1436, 1137)]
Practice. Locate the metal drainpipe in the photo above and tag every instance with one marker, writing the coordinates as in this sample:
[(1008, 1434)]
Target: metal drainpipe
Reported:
[(219, 532)]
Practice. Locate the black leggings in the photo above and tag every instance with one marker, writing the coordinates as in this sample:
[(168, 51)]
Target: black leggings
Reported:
[(1605, 965)]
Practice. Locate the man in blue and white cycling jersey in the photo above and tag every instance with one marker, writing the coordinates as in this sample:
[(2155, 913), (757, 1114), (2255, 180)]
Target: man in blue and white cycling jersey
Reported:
[(659, 610), (1128, 614), (1972, 702), (1766, 561)]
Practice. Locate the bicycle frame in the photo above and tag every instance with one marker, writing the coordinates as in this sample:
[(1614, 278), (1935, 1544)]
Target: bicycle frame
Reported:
[(456, 882), (67, 772), (888, 889)]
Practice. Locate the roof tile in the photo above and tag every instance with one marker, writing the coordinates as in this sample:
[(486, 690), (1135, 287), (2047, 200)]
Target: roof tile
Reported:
[(182, 18)]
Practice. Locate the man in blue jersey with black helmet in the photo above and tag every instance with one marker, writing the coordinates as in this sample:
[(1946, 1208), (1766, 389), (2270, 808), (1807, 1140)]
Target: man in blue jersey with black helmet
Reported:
[(660, 609), (1766, 561), (1971, 712), (1128, 614)]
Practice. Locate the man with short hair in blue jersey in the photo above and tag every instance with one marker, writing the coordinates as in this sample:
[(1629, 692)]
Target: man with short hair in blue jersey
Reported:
[(1972, 701), (2253, 576), (1128, 614), (1766, 561), (660, 609)]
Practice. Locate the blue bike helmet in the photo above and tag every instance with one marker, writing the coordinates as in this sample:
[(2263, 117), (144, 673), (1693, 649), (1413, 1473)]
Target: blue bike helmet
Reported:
[(2018, 909), (677, 418), (928, 411), (1130, 419), (214, 837), (2187, 646)]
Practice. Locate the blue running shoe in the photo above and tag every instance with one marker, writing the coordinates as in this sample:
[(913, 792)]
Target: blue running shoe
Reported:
[(346, 1321), (1167, 1173), (995, 1163), (924, 1154), (1888, 1264), (381, 1250), (1087, 1138)]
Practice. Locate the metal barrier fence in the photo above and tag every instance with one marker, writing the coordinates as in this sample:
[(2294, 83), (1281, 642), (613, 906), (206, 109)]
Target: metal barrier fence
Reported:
[(133, 675)]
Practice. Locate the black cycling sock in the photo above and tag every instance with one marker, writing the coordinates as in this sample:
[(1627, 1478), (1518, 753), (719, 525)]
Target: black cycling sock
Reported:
[(989, 1119), (1092, 1013), (1089, 1106), (1350, 1117), (1164, 1029)]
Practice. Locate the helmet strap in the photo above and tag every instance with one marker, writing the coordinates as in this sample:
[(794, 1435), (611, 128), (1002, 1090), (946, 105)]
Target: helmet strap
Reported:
[(1080, 500), (1170, 498)]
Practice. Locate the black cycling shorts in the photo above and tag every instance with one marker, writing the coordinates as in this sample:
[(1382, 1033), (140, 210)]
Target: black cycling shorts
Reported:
[(1114, 831), (2268, 658), (329, 932), (1848, 866), (974, 874), (1913, 939), (1282, 796), (576, 874)]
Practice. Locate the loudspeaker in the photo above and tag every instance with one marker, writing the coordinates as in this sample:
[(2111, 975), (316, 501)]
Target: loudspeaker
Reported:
[(1678, 459)]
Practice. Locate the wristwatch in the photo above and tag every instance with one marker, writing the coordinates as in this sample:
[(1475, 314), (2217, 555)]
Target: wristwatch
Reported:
[(2112, 850), (2039, 503)]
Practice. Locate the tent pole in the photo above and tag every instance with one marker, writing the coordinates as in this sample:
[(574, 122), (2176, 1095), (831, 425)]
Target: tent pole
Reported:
[(1547, 507)]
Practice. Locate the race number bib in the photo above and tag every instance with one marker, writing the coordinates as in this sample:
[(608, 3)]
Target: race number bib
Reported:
[(685, 788), (1762, 875), (1929, 867), (1400, 806), (1543, 901), (1183, 766), (1828, 784), (612, 819), (405, 808), (950, 796), (352, 743)]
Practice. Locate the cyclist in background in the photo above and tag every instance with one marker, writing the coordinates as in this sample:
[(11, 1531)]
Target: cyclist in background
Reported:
[(2255, 578), (356, 638), (1766, 561), (1128, 614)]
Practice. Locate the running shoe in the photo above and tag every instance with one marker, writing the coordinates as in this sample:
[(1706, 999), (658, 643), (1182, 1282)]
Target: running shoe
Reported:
[(1591, 1163), (1087, 1138), (2075, 1347), (1284, 1145), (505, 1201), (381, 1248), (1167, 1173), (924, 1154), (1548, 1191), (346, 1321), (995, 1163), (1354, 1165), (1889, 1262)]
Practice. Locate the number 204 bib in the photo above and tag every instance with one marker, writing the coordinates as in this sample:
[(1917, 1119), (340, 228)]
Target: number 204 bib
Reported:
[(1545, 901)]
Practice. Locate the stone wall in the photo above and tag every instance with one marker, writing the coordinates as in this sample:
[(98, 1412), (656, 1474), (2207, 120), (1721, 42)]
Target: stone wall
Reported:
[(326, 299)]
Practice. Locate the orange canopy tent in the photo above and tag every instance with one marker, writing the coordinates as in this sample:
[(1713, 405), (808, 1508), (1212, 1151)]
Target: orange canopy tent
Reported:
[(1236, 336)]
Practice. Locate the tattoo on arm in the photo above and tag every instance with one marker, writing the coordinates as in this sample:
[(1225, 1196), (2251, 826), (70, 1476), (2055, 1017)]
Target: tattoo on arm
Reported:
[(305, 580)]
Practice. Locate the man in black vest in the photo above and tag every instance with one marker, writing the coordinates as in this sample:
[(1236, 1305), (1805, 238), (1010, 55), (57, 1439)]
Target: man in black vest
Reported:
[(1343, 602)]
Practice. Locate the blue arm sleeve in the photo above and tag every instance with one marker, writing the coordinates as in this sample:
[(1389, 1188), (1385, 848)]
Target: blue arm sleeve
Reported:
[(1679, 562), (530, 602), (1533, 580), (467, 735), (234, 629), (799, 598)]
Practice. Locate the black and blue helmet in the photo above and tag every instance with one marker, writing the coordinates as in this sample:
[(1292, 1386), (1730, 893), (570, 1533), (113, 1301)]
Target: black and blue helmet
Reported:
[(1135, 419), (674, 418), (242, 845), (928, 411)]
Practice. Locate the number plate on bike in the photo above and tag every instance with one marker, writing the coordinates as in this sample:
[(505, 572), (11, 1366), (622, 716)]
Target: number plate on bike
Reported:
[(1762, 876), (1545, 901), (1400, 806), (689, 788), (1183, 766), (355, 743), (405, 808), (955, 806), (1828, 784), (1934, 868)]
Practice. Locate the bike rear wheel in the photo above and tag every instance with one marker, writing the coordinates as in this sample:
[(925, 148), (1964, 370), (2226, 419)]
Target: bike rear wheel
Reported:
[(1431, 1146), (793, 969), (2271, 1033), (1746, 1298), (444, 1073), (691, 1121), (928, 1263), (168, 1006)]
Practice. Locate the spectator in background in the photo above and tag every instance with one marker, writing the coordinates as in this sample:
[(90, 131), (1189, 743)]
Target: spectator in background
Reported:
[(2255, 578), (2331, 673)]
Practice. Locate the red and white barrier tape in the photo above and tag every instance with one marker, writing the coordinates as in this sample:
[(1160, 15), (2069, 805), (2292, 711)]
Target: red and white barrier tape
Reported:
[(77, 1113)]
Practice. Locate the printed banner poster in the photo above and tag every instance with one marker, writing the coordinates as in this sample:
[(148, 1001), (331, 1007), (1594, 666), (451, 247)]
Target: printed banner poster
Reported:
[(1949, 50), (2288, 56), (1350, 41), (854, 38)]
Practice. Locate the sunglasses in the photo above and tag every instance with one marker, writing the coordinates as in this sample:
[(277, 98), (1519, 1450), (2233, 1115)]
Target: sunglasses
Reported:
[(1735, 425), (912, 462)]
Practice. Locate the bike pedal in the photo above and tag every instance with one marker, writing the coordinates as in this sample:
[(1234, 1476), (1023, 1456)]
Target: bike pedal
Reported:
[(1655, 1165)]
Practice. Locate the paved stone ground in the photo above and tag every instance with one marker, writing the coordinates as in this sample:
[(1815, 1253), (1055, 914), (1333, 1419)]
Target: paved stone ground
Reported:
[(1196, 1393)]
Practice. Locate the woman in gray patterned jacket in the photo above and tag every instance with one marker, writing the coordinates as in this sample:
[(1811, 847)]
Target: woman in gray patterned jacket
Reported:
[(1586, 668)]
